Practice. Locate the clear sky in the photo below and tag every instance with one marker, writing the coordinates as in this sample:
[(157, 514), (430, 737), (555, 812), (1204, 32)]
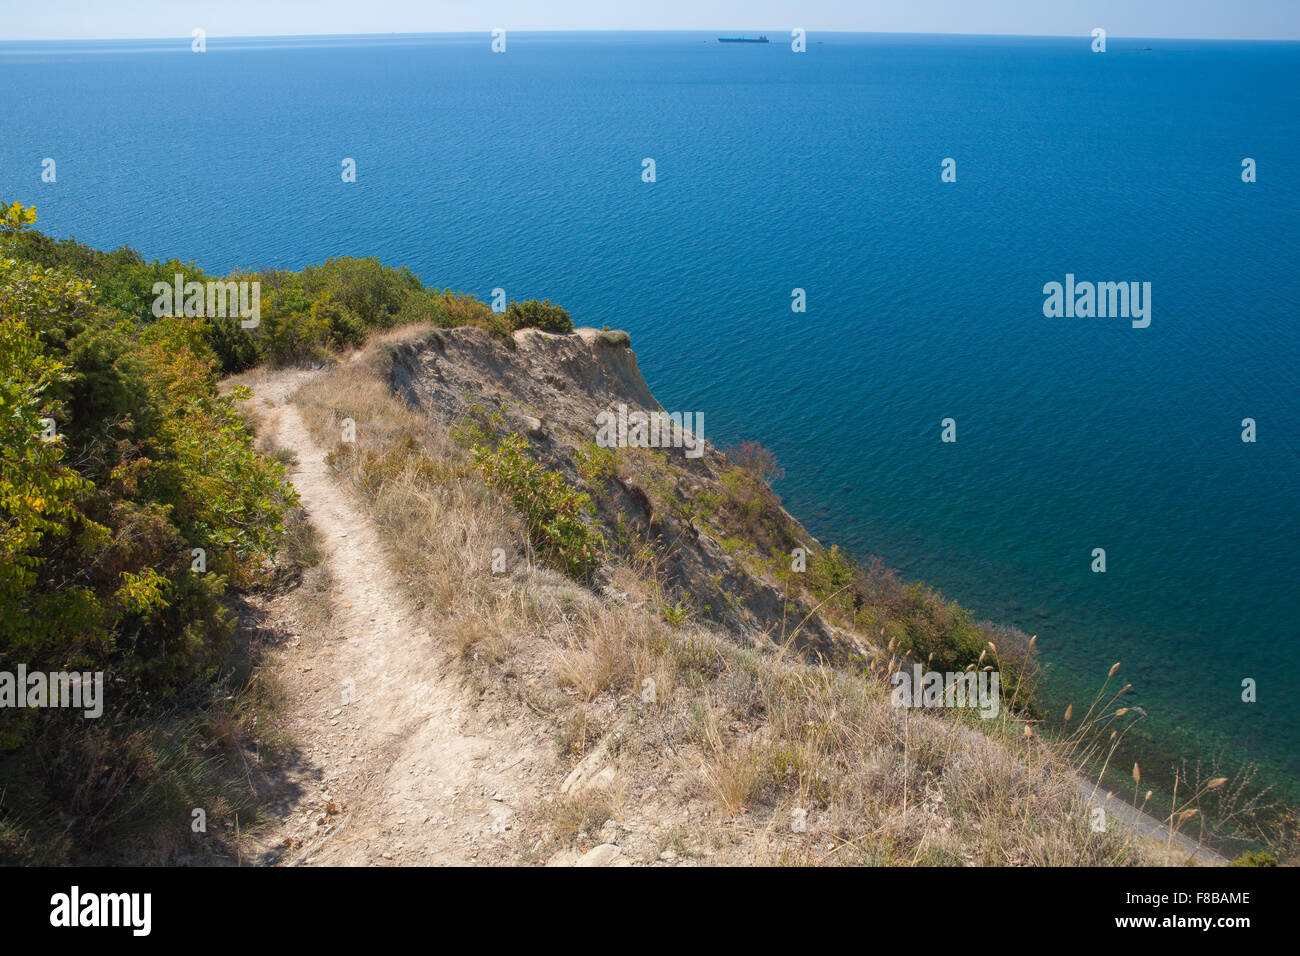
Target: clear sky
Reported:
[(1223, 19)]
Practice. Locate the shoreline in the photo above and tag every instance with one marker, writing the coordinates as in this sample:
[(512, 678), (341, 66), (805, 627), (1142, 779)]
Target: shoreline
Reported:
[(1145, 826)]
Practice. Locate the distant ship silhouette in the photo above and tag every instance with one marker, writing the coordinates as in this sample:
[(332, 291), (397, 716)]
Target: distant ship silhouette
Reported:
[(762, 39)]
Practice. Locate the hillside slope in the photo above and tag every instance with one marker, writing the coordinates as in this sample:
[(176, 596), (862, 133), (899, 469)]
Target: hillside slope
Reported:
[(724, 734)]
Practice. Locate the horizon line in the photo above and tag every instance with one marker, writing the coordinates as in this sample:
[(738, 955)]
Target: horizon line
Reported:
[(488, 31)]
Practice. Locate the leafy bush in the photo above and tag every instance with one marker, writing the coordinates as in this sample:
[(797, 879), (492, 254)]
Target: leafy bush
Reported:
[(614, 339), (929, 628), (147, 462), (459, 309), (1255, 858), (538, 315), (830, 574), (376, 294), (122, 283), (304, 315), (478, 427), (595, 465), (16, 217), (553, 511), (751, 506)]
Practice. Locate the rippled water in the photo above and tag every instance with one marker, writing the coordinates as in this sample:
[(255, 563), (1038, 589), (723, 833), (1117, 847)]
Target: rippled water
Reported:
[(819, 171)]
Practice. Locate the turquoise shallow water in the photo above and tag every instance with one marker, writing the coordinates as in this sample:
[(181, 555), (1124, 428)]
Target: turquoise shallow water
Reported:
[(819, 171)]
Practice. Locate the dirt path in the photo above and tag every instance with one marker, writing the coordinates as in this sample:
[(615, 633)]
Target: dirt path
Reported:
[(396, 763)]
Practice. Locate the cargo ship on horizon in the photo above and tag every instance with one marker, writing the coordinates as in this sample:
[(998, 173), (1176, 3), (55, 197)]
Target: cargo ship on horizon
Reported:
[(761, 39)]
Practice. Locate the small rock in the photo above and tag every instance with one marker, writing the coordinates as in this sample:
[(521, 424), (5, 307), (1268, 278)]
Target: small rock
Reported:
[(603, 855)]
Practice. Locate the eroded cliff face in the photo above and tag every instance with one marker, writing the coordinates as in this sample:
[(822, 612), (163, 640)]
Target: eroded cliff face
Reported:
[(551, 388)]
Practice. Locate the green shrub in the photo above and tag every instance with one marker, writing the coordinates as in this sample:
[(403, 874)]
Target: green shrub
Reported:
[(676, 615), (1255, 858), (122, 283), (617, 339), (595, 465), (553, 511), (538, 315), (304, 315), (375, 293), (292, 329), (346, 328), (459, 309), (478, 427), (830, 572), (98, 524)]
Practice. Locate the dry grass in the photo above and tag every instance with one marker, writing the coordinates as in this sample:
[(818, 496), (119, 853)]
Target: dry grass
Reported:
[(571, 815), (732, 771)]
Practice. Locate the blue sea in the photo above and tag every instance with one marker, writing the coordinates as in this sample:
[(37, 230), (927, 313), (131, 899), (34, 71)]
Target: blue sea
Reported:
[(819, 171)]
